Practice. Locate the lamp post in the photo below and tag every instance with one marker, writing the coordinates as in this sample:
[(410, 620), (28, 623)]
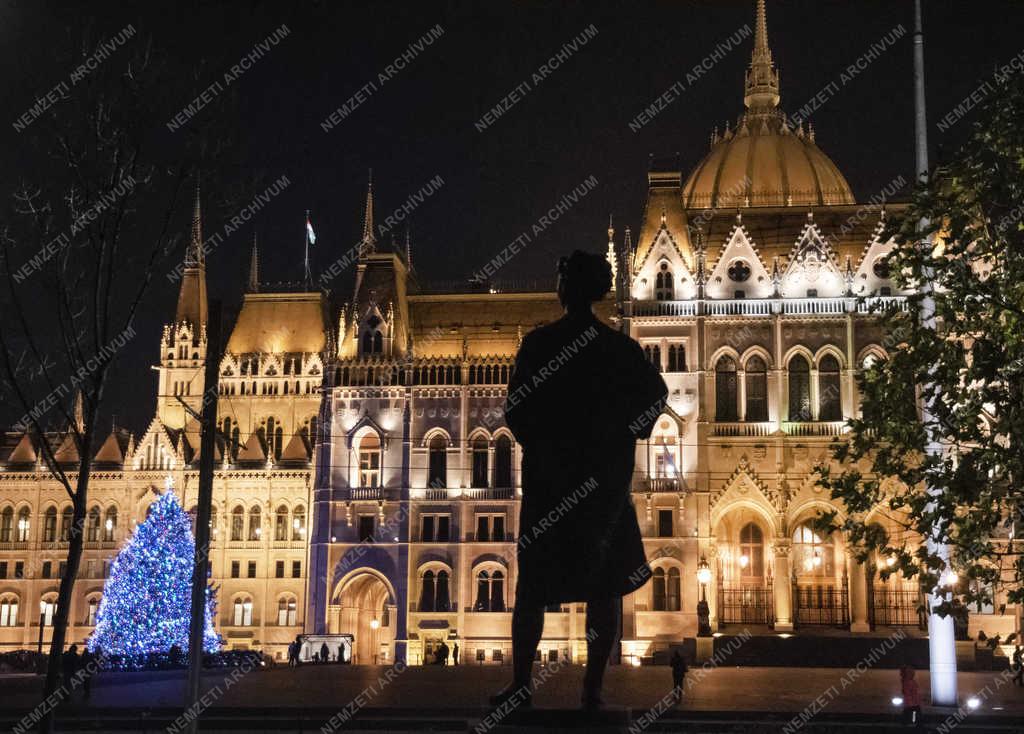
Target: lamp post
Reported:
[(42, 622), (375, 625), (703, 611)]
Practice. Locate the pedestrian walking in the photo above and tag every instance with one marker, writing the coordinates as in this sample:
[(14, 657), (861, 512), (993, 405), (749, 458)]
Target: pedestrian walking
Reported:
[(911, 697), (455, 654), (69, 664), (679, 671), (1018, 665), (325, 653), (90, 667), (442, 654)]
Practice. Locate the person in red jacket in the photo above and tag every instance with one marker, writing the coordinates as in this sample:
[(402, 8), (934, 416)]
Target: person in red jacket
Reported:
[(911, 697)]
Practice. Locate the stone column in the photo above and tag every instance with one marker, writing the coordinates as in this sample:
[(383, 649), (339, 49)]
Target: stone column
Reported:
[(782, 588), (858, 595)]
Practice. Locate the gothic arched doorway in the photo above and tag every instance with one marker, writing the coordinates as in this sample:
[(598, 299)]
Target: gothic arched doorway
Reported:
[(366, 610)]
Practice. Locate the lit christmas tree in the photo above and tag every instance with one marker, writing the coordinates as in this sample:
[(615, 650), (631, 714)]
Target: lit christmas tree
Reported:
[(146, 601)]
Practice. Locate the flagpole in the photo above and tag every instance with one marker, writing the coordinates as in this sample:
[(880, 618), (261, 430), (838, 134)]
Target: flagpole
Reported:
[(309, 279)]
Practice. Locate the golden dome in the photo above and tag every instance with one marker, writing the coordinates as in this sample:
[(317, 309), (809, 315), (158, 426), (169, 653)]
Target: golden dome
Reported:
[(764, 161)]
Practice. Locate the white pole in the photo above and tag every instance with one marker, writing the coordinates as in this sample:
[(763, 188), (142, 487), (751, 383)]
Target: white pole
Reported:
[(941, 633)]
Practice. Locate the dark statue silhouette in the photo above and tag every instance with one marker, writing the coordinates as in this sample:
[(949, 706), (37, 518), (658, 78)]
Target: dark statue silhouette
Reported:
[(579, 398)]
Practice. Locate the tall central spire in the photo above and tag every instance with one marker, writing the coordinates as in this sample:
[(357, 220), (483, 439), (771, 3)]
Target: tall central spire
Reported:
[(192, 307), (761, 86), (369, 243)]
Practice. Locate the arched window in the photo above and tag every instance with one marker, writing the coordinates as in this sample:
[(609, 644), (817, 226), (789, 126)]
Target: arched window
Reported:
[(437, 475), (243, 612), (751, 558), (92, 609), (281, 523), (428, 591), (664, 285), (799, 389), (367, 342), (287, 612), (65, 524), (503, 462), (659, 599), (92, 528), (369, 460), (441, 600), (653, 354), (230, 435), (50, 525), (254, 523), (725, 389), (813, 555), (757, 389), (47, 609), (673, 593), (237, 523), (829, 401), (6, 525), (676, 358), (490, 592), (299, 523), (24, 525), (480, 462), (109, 525), (8, 610)]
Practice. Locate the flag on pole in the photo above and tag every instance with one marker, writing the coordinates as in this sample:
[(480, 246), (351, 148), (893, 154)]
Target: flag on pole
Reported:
[(309, 231)]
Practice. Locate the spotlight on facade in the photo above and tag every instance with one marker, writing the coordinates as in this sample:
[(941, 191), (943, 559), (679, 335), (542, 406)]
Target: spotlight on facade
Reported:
[(374, 624), (973, 702), (703, 610), (890, 561), (744, 560), (897, 700), (949, 578)]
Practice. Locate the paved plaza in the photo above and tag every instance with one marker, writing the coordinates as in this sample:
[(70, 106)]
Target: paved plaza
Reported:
[(457, 697)]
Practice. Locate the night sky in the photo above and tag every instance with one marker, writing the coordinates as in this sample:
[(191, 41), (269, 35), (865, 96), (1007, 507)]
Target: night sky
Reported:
[(420, 123)]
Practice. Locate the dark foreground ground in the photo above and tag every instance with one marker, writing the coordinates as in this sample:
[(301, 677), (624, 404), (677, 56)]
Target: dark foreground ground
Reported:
[(371, 698)]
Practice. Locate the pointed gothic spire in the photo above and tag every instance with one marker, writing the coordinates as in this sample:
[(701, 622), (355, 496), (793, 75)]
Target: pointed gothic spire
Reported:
[(610, 255), (254, 266), (761, 85), (192, 294), (369, 243), (194, 252)]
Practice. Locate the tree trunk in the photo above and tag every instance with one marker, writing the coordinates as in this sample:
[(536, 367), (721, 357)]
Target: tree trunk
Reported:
[(76, 541)]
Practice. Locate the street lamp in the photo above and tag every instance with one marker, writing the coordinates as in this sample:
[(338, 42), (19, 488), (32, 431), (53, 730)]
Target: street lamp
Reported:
[(703, 611), (42, 622)]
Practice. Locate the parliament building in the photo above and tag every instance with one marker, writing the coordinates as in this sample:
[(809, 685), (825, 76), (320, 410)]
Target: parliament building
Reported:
[(366, 482)]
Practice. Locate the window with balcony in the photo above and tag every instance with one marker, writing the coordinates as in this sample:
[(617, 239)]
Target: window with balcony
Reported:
[(369, 460), (503, 462), (254, 523), (480, 463), (110, 524), (92, 525), (7, 525), (434, 595), (665, 590), (437, 474), (299, 523), (65, 524), (50, 525), (799, 389), (725, 389), (237, 523), (829, 399), (23, 526), (281, 523), (756, 376)]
